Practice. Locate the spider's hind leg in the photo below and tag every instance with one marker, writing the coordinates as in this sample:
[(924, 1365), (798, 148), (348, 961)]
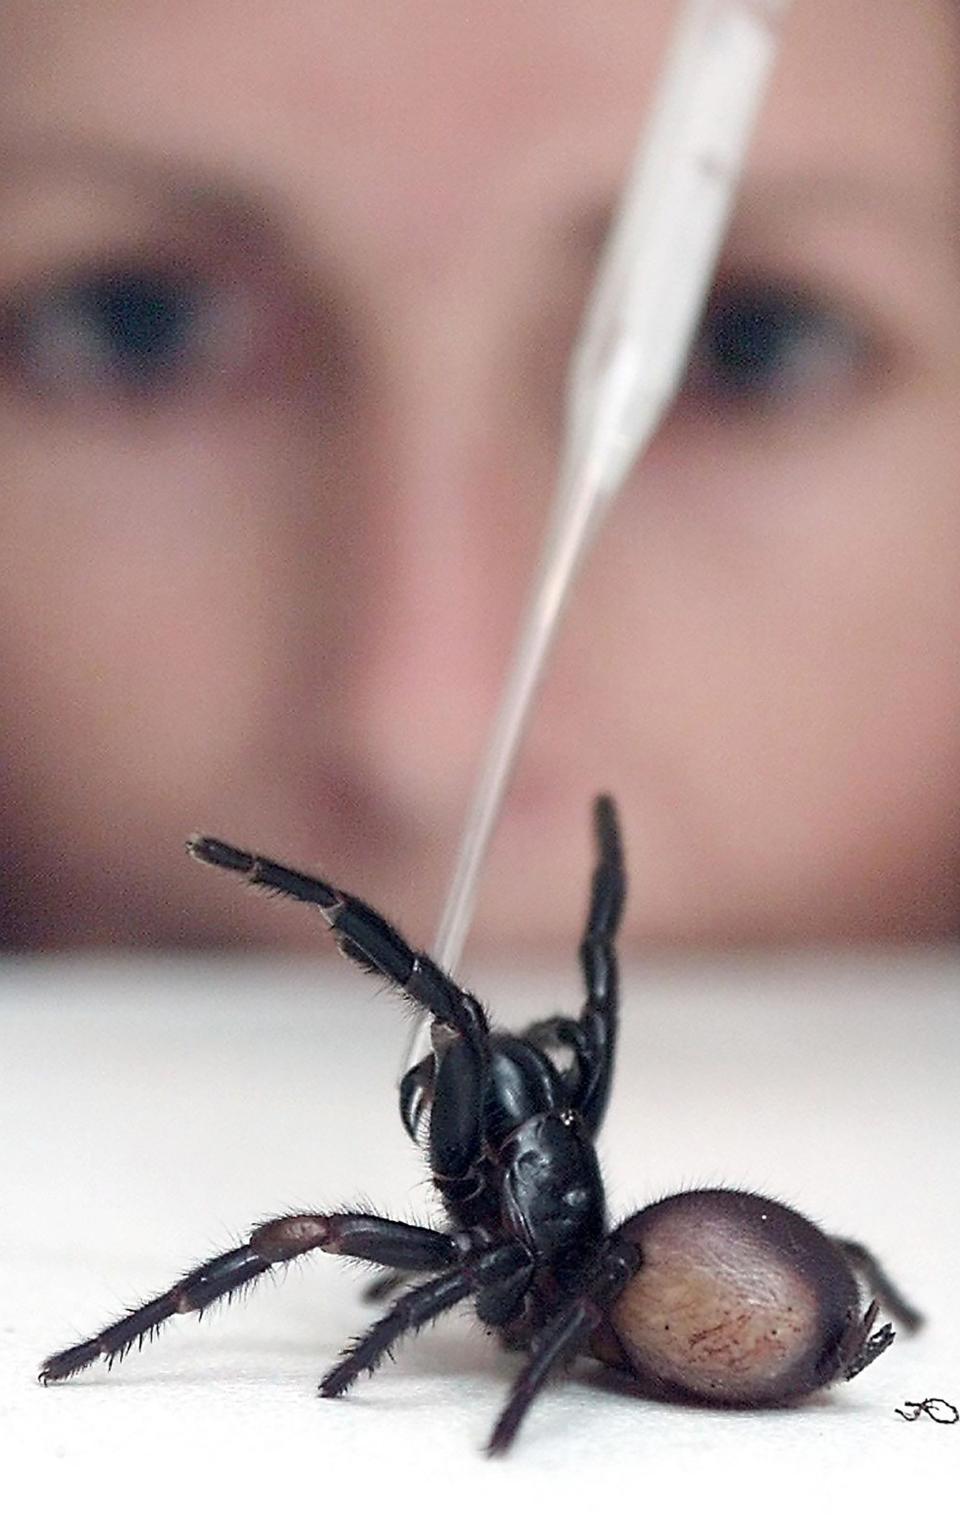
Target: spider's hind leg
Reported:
[(878, 1283)]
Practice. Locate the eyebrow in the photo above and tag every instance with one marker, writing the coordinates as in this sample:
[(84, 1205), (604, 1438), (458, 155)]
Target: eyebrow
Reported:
[(144, 170), (903, 209), (902, 206), (215, 194)]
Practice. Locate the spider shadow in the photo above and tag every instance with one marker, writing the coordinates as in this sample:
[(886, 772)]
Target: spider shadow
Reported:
[(619, 1384)]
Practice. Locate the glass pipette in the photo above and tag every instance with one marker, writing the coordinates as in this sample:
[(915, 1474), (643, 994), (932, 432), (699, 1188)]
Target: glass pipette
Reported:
[(628, 361)]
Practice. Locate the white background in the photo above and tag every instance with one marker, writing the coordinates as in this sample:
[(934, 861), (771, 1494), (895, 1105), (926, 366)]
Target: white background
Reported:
[(150, 1112)]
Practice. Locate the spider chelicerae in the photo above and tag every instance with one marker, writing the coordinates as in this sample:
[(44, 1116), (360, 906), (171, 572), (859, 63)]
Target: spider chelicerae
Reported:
[(714, 1295)]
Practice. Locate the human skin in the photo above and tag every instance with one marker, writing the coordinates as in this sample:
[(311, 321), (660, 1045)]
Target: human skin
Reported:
[(269, 589)]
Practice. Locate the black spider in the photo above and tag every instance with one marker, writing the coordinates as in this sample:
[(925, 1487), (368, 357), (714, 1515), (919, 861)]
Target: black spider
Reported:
[(713, 1295)]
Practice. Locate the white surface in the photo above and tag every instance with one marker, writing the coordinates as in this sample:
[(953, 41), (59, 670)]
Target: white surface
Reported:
[(150, 1112)]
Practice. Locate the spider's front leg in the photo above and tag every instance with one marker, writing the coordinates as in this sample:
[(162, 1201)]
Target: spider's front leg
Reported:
[(455, 1085), (592, 1038), (363, 934), (395, 1244)]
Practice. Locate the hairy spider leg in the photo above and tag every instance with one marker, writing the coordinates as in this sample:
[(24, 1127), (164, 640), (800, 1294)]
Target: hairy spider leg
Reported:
[(363, 934), (593, 1036), (366, 937), (868, 1267), (565, 1334), (506, 1269), (355, 1234)]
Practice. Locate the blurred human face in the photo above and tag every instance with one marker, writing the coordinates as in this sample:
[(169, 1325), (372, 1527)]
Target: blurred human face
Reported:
[(286, 299)]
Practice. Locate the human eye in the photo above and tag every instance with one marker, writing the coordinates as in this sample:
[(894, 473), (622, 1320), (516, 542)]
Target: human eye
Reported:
[(766, 346), (130, 331)]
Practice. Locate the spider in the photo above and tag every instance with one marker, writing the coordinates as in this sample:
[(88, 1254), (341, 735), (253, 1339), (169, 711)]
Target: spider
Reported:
[(713, 1295)]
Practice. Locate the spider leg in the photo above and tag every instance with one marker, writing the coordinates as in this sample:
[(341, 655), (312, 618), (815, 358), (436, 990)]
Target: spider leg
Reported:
[(395, 1244), (564, 1335), (363, 934), (457, 1081), (592, 1037), (878, 1282), (486, 1273)]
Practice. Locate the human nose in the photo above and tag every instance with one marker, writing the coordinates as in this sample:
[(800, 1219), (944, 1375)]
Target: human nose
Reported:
[(449, 515)]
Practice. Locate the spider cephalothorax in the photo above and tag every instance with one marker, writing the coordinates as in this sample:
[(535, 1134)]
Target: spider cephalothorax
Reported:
[(712, 1294)]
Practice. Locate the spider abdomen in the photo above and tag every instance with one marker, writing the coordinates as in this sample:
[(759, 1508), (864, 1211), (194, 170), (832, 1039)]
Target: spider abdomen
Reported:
[(738, 1299)]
